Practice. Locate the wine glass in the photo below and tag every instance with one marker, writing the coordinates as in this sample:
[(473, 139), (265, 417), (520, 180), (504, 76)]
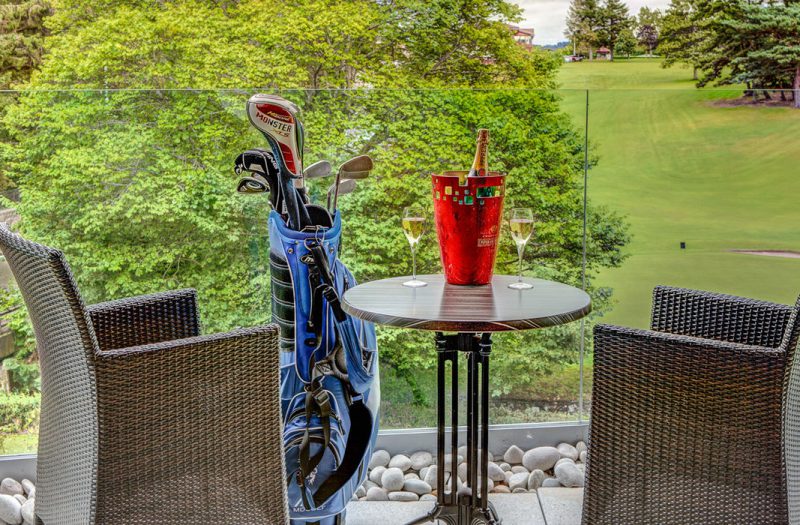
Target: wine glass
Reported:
[(521, 224), (414, 227)]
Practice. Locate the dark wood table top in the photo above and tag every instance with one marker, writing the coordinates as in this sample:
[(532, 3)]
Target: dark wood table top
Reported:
[(451, 308)]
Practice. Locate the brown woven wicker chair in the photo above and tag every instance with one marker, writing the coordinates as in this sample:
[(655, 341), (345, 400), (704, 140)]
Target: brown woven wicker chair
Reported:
[(688, 418), (143, 420)]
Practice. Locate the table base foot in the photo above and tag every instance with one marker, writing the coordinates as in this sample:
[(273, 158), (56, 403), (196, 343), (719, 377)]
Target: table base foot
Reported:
[(459, 515)]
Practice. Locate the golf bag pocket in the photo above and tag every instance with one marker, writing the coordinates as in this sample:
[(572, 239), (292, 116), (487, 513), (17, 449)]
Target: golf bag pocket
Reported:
[(357, 338)]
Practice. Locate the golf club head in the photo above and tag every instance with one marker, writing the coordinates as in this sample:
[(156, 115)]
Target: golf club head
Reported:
[(347, 186), (258, 161), (252, 185), (360, 163), (355, 175), (262, 164), (276, 119), (318, 170)]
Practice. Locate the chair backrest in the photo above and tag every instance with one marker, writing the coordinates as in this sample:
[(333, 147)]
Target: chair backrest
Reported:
[(65, 341)]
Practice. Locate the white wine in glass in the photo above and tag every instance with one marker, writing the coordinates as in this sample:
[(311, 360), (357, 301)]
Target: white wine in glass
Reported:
[(414, 227), (521, 224)]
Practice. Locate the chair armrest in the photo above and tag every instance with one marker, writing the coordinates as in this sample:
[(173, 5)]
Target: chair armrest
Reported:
[(145, 319), (183, 412), (717, 316)]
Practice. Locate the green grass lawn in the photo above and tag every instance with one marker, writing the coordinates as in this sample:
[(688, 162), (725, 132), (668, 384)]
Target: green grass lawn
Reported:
[(682, 167)]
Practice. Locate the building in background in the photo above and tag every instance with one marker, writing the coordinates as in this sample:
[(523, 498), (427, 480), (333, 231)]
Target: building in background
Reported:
[(523, 35)]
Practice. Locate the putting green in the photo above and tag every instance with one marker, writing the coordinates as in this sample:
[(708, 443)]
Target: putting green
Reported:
[(684, 168)]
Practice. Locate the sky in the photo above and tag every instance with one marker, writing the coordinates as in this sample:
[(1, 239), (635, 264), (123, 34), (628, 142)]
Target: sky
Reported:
[(547, 17)]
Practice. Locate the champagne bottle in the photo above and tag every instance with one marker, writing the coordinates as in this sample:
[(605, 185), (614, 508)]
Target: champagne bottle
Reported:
[(480, 166)]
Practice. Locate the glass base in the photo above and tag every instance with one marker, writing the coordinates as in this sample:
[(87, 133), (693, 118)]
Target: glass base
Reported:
[(415, 283), (520, 286)]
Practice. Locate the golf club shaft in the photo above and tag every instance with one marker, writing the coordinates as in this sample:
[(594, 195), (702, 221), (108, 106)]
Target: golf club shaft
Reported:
[(336, 190)]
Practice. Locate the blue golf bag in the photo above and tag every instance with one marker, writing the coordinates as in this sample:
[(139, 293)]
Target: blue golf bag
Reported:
[(330, 391)]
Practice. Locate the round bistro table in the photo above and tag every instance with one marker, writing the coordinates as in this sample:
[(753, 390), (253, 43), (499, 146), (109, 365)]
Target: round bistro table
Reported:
[(473, 313)]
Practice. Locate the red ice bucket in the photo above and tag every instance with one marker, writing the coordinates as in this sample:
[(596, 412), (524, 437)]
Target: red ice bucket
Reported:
[(468, 224)]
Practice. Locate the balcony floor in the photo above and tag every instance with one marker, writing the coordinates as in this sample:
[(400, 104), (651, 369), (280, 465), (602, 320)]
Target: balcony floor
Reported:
[(561, 507)]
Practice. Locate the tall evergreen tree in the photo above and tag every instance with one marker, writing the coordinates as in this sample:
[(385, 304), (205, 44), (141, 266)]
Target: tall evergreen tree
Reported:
[(682, 35), (613, 21), (583, 25), (756, 43)]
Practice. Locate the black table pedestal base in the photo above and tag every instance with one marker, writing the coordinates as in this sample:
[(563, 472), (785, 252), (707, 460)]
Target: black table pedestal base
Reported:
[(465, 506), (450, 515)]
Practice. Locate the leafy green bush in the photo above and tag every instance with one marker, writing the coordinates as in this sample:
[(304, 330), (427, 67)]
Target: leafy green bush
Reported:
[(18, 413), (23, 365)]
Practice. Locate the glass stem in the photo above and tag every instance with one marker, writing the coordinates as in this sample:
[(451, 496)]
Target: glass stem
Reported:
[(520, 250), (414, 261)]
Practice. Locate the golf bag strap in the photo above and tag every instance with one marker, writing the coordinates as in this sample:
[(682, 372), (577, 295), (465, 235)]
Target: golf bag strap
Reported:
[(314, 323), (357, 444), (317, 400), (326, 276)]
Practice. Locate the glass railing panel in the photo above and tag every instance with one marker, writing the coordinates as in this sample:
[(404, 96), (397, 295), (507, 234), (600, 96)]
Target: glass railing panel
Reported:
[(137, 188), (705, 181)]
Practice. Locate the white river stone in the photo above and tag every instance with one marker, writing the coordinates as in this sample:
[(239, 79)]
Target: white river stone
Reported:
[(10, 510), (518, 480), (535, 479), (28, 516), (376, 475), (403, 496), (11, 487), (495, 472), (542, 458), (569, 475), (513, 455), (400, 461), (392, 479), (380, 458), (568, 451), (420, 460), (417, 486), (377, 494)]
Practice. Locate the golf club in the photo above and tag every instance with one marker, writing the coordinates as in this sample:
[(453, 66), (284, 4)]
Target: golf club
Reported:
[(356, 164), (262, 162), (318, 170), (276, 117), (355, 175), (296, 211), (343, 188), (251, 185)]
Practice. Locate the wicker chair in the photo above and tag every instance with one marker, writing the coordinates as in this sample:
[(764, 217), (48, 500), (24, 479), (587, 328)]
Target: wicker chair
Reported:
[(143, 420), (690, 419)]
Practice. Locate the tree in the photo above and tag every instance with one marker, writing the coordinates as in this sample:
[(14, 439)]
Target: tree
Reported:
[(682, 35), (648, 27), (583, 25), (614, 20), (756, 43), (626, 45), (21, 34), (137, 188)]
